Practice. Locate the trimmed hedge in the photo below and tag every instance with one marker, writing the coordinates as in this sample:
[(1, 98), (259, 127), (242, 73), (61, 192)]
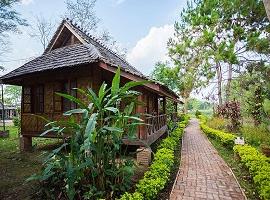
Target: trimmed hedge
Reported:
[(257, 163), (227, 139), (258, 166), (158, 175)]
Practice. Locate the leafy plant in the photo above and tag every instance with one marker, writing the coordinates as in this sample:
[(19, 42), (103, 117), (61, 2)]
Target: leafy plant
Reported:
[(231, 110), (158, 175), (95, 166), (259, 167), (197, 113), (227, 139), (256, 135)]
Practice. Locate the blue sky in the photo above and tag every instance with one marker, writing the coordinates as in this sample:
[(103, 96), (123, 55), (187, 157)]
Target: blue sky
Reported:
[(143, 27)]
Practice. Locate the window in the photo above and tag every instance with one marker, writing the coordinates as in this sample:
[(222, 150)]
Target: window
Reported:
[(39, 99), (68, 89), (27, 99)]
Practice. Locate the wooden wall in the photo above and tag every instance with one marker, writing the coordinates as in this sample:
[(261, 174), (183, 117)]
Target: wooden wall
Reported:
[(90, 76)]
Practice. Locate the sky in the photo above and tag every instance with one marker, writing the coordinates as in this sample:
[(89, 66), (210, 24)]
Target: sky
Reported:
[(142, 27)]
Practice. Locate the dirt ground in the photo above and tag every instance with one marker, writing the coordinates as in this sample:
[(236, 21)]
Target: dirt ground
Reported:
[(16, 167)]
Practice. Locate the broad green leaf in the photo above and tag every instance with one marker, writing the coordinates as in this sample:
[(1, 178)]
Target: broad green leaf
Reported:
[(73, 99), (116, 82), (75, 111), (113, 129), (91, 124), (132, 84), (102, 91), (114, 110)]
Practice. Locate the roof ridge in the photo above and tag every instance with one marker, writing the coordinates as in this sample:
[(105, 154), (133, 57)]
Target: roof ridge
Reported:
[(100, 43)]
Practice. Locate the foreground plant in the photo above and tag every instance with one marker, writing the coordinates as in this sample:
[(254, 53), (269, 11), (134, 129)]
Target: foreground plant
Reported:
[(95, 166)]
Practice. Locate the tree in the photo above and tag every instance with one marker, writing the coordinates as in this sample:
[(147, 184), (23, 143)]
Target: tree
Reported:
[(42, 30), (10, 20), (231, 34), (267, 7), (12, 95), (83, 13)]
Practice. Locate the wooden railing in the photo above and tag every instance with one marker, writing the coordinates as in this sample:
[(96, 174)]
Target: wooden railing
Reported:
[(155, 123)]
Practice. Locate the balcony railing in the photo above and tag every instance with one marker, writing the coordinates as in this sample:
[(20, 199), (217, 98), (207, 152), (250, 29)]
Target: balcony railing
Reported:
[(155, 123)]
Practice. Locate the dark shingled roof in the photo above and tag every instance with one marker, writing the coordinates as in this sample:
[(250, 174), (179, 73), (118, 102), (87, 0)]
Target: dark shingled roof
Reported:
[(74, 55)]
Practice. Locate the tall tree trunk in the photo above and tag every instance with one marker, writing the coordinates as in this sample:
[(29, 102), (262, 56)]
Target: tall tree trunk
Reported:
[(185, 99), (267, 7), (219, 76), (228, 87)]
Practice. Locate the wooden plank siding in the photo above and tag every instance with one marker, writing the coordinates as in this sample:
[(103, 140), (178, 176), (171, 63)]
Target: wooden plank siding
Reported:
[(89, 76)]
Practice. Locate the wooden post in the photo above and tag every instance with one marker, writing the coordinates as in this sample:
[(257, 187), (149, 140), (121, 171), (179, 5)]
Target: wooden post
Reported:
[(25, 143), (164, 105), (142, 129)]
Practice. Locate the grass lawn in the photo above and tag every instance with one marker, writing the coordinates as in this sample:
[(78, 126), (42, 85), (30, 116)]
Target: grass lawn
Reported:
[(239, 170), (15, 167)]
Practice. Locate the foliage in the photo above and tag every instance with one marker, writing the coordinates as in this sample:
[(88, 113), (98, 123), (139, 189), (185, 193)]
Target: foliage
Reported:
[(231, 110), (96, 166), (10, 20), (221, 36), (197, 113), (196, 104), (256, 135), (227, 139), (259, 167), (239, 169), (16, 121), (158, 175), (253, 90), (217, 123), (12, 95)]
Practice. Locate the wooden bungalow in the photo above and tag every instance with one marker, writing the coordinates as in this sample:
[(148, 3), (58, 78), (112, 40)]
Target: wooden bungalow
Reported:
[(73, 58)]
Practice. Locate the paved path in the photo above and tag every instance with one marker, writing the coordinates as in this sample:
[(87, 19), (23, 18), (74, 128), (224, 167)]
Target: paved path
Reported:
[(203, 174)]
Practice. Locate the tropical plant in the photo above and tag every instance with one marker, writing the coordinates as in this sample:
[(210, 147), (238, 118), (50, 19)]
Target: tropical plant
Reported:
[(231, 110), (95, 166)]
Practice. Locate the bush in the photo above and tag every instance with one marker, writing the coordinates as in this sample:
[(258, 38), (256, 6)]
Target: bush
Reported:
[(259, 167), (227, 139), (16, 121), (197, 113), (256, 135), (231, 110), (95, 167), (217, 123), (158, 175)]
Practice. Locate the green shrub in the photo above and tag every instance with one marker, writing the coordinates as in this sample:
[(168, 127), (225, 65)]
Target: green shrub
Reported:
[(197, 113), (227, 139), (133, 196), (256, 135), (217, 123), (259, 167), (16, 121), (158, 175), (91, 169)]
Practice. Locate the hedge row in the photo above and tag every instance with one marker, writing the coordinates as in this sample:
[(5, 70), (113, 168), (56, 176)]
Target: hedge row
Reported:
[(158, 175), (258, 166), (257, 163), (227, 139)]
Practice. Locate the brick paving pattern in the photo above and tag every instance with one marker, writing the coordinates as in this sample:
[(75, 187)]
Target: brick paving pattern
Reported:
[(203, 174)]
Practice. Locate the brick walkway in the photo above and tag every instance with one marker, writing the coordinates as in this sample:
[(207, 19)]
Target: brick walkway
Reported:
[(203, 173)]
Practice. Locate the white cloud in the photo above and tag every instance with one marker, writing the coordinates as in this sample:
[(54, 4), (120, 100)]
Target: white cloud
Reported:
[(151, 49), (26, 2)]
